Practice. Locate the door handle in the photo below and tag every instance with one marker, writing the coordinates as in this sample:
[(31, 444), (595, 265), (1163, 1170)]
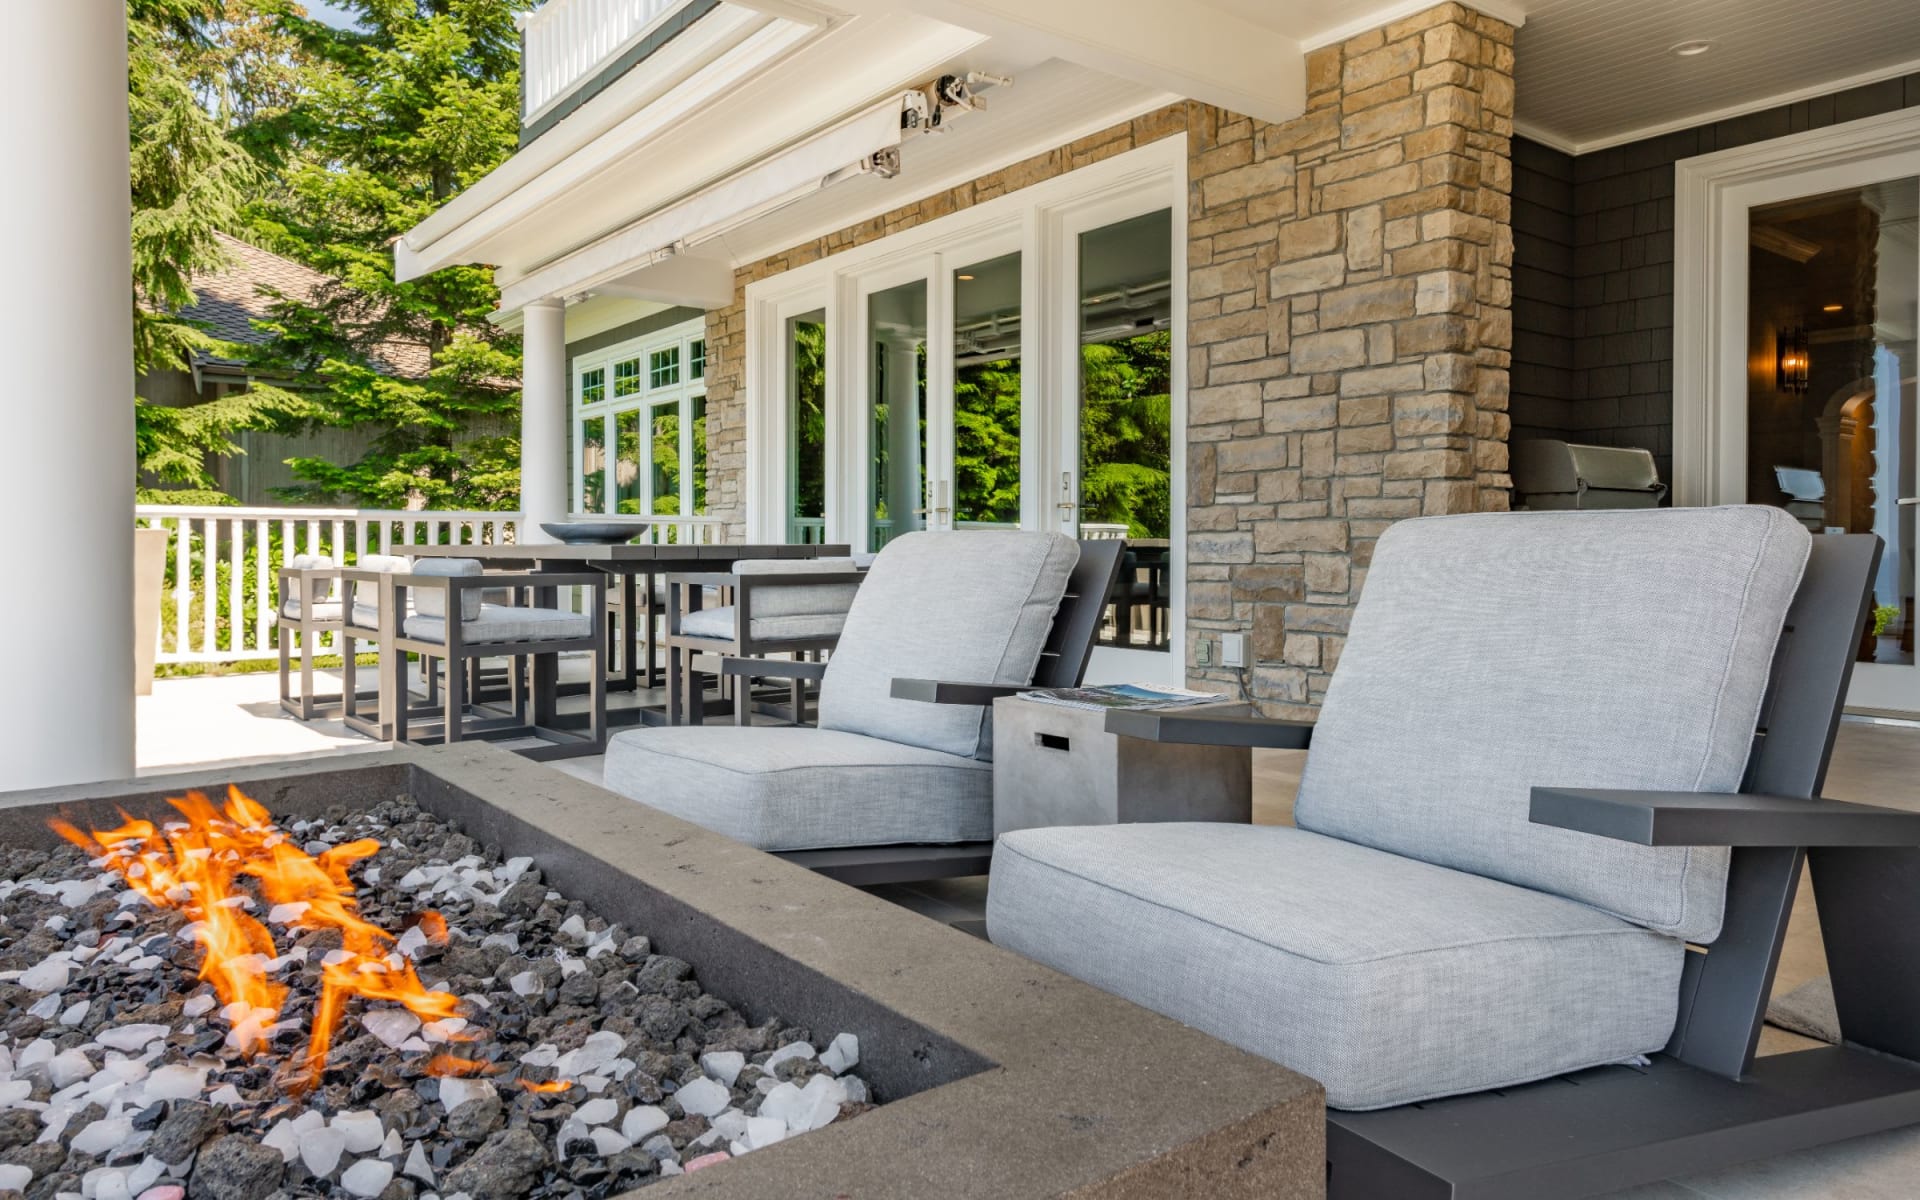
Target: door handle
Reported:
[(1904, 501)]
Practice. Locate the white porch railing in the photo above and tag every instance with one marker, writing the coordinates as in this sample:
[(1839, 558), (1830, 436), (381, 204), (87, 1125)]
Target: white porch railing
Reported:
[(221, 591), (566, 41), (220, 595)]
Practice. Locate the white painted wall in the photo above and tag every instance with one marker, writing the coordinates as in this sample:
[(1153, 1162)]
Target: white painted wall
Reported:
[(66, 462)]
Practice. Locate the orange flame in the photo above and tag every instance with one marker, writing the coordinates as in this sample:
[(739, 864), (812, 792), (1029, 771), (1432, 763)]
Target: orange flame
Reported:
[(550, 1086), (447, 1064), (194, 867)]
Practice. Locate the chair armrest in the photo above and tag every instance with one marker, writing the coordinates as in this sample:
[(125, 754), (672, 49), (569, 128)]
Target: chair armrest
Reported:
[(772, 668), (1721, 818), (947, 691), (1209, 729)]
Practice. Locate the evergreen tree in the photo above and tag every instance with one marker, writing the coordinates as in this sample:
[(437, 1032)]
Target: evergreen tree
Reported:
[(188, 181), (390, 119)]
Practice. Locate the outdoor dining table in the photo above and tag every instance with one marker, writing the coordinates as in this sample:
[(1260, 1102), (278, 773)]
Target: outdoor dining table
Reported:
[(633, 566)]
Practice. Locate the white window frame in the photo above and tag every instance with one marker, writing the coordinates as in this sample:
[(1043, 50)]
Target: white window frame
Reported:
[(644, 400), (1712, 194), (839, 284), (1042, 222)]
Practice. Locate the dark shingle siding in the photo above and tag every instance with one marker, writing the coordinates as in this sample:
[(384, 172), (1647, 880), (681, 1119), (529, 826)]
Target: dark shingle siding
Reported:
[(1616, 387)]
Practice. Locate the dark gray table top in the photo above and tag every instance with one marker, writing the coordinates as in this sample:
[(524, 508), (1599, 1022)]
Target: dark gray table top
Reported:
[(626, 553)]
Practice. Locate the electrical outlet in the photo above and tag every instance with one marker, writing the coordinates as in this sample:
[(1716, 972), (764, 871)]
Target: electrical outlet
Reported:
[(1203, 652), (1233, 649)]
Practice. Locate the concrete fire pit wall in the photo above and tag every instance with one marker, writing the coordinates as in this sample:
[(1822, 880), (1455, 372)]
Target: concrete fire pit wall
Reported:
[(1000, 1077)]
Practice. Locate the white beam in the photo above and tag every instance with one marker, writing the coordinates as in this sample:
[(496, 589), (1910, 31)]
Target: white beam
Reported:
[(66, 334), (1189, 49)]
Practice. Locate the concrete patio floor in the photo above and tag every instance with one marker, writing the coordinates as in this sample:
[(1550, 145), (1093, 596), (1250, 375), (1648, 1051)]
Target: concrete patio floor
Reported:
[(232, 720)]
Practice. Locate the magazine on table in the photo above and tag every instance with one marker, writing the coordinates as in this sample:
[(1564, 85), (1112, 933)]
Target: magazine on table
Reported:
[(1122, 695)]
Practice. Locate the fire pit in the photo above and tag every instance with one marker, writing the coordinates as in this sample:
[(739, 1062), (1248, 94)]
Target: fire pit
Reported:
[(435, 972)]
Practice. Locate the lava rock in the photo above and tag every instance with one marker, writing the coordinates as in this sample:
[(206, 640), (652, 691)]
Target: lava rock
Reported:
[(236, 1168), (186, 1127), (504, 1168), (524, 898), (18, 1127), (476, 1118), (659, 971)]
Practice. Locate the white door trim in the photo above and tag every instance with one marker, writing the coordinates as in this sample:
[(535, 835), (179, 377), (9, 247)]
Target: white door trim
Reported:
[(1712, 193)]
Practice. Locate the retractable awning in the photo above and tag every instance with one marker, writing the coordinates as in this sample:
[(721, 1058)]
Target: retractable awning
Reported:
[(862, 143)]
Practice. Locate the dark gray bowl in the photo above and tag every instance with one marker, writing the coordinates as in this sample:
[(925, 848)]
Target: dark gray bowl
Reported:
[(595, 533)]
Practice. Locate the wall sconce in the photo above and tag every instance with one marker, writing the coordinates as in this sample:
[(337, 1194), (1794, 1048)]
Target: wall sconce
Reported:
[(1790, 360)]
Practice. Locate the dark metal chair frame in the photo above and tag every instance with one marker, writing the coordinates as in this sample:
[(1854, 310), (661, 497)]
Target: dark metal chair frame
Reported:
[(1063, 663), (689, 657), (447, 718), (1706, 1101)]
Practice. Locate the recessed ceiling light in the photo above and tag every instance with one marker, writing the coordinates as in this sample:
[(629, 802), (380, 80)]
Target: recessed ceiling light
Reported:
[(1831, 307), (1689, 49)]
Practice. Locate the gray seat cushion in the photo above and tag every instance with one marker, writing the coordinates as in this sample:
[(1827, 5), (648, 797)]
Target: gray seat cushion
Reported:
[(503, 623), (1387, 979), (802, 789), (973, 606), (719, 623), (325, 610), (1494, 653)]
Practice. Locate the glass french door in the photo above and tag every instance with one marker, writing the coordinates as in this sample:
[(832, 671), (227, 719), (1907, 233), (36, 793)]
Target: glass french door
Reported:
[(1832, 432), (941, 401)]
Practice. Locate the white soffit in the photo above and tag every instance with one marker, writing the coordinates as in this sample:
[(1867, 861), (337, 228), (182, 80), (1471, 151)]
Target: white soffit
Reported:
[(1596, 73)]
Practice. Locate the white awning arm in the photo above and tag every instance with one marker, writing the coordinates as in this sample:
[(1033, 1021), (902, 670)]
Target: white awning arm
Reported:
[(866, 143)]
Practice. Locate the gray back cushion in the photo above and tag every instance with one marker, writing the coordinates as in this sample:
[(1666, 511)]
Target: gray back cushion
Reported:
[(1492, 653), (432, 601), (799, 600), (318, 589), (972, 606)]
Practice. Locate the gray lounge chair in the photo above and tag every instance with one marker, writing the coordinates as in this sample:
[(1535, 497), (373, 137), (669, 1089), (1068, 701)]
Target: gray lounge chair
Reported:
[(1553, 819), (896, 782)]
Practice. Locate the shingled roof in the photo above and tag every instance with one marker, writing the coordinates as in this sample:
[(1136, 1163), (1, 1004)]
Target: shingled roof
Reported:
[(231, 299)]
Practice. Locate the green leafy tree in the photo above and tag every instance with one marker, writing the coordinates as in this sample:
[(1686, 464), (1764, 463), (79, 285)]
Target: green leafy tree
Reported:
[(986, 441), (188, 182), (1126, 428), (389, 120)]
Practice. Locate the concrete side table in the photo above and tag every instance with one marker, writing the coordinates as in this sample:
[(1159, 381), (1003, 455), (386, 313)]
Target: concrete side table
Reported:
[(1059, 766)]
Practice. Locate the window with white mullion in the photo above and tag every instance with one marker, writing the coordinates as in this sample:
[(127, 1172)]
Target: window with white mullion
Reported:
[(639, 419)]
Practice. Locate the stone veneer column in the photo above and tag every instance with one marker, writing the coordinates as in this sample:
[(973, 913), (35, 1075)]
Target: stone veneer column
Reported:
[(1349, 334)]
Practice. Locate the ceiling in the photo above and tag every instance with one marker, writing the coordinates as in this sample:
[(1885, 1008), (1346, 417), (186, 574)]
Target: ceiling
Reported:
[(1594, 73)]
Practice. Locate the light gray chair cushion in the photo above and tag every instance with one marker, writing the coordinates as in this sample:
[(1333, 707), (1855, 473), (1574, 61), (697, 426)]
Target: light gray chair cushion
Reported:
[(782, 612), (325, 610), (319, 590), (503, 623), (1494, 653), (719, 623), (972, 606), (432, 601), (802, 789), (366, 597), (1387, 979)]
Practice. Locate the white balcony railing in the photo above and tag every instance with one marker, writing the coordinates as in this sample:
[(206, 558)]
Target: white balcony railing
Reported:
[(567, 41), (219, 597)]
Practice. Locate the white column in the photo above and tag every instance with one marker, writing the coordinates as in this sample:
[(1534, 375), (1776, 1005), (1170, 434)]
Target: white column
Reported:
[(545, 400), (66, 462)]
